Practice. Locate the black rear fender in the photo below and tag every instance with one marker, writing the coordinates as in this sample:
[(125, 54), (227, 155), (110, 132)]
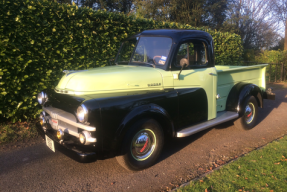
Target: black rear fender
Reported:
[(239, 92)]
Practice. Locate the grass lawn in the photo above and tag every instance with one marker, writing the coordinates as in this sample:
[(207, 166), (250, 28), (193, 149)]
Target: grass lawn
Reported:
[(260, 170), (11, 132)]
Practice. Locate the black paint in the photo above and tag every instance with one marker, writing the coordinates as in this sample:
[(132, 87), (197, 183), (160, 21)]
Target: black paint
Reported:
[(178, 37), (239, 92)]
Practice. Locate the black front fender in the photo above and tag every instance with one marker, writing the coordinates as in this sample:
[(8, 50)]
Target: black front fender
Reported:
[(120, 110), (150, 110)]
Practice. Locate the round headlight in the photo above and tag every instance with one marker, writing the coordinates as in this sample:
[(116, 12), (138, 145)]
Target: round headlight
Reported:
[(42, 98), (82, 113)]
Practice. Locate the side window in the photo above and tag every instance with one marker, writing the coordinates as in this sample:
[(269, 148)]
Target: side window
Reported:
[(192, 53)]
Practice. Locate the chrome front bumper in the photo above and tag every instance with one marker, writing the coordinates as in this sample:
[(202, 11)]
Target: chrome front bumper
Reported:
[(83, 154), (67, 122)]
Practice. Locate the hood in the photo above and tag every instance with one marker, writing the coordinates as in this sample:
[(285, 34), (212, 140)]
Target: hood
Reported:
[(110, 79)]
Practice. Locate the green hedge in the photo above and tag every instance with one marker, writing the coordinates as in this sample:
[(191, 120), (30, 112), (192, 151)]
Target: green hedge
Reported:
[(272, 56), (40, 39), (273, 72)]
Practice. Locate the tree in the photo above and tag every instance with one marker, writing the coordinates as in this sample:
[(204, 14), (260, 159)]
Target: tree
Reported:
[(280, 11), (280, 45), (194, 12), (124, 6), (62, 1), (216, 13), (251, 20)]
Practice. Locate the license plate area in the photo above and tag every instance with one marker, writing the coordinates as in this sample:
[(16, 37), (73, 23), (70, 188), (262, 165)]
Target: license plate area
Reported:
[(50, 143)]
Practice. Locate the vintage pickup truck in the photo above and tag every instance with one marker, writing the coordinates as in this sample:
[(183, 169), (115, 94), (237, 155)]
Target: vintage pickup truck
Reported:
[(162, 83)]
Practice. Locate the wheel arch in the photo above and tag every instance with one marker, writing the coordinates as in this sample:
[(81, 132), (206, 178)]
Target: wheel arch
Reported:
[(147, 111), (239, 92)]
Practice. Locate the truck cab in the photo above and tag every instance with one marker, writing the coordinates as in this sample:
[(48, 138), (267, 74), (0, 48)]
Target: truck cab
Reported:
[(161, 83)]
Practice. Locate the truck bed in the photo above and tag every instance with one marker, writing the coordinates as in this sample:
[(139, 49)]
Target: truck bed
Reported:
[(228, 76), (227, 68)]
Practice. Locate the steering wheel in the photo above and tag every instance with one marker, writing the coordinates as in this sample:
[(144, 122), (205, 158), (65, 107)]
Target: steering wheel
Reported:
[(157, 56)]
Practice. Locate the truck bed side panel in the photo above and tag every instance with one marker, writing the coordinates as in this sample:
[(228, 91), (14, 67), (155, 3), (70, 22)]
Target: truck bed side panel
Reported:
[(228, 76)]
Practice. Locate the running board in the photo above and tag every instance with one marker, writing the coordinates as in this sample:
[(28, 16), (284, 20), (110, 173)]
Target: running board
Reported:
[(220, 118)]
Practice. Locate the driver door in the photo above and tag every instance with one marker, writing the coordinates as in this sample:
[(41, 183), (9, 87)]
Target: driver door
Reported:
[(196, 84)]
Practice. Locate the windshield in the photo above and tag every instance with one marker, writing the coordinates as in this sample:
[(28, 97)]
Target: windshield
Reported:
[(126, 51), (149, 50)]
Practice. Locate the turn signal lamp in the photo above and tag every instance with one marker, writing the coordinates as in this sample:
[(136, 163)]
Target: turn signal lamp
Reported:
[(60, 134), (42, 117), (41, 121), (82, 138)]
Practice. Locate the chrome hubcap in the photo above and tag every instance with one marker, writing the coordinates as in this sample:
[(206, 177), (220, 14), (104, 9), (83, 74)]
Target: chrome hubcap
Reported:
[(143, 144), (249, 113)]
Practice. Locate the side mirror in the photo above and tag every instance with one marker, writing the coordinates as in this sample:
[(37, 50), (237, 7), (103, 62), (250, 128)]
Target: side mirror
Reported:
[(183, 64), (176, 76)]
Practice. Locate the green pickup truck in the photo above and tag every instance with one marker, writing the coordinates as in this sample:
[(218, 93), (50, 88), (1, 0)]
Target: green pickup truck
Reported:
[(162, 83)]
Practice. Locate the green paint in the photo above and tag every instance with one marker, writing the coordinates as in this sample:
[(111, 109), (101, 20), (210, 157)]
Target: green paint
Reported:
[(201, 78), (121, 78), (127, 78), (228, 76)]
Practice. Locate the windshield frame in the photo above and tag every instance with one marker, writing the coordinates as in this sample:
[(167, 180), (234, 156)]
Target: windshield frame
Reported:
[(165, 66)]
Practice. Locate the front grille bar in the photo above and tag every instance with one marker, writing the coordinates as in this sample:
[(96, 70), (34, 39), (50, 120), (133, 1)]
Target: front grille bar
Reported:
[(67, 118)]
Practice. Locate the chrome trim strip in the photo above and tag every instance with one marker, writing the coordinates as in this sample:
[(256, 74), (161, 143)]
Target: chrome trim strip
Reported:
[(89, 139), (221, 117), (66, 117), (66, 130)]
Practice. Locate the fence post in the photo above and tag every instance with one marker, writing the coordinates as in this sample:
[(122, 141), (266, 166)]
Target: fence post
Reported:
[(282, 72), (269, 72), (275, 73)]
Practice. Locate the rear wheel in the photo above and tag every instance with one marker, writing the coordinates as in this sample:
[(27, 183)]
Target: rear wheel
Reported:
[(142, 145), (248, 120)]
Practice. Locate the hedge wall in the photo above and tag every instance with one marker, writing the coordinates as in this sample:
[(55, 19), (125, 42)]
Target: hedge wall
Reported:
[(40, 39)]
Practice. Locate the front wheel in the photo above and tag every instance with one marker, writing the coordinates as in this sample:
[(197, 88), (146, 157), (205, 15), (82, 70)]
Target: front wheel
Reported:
[(248, 120), (142, 145)]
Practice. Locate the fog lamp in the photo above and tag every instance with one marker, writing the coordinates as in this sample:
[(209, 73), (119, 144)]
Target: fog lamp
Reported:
[(82, 138), (60, 134)]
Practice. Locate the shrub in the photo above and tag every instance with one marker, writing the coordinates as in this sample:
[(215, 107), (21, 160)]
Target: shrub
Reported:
[(40, 39), (274, 72)]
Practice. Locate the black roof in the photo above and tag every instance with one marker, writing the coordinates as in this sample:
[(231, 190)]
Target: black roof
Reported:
[(176, 34)]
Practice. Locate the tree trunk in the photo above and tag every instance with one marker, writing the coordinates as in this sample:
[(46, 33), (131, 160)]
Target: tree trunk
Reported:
[(285, 41)]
